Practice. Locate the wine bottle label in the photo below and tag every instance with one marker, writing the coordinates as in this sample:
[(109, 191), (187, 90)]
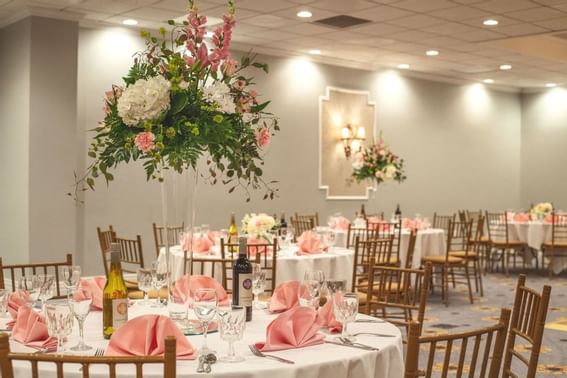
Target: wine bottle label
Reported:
[(119, 313), (245, 290)]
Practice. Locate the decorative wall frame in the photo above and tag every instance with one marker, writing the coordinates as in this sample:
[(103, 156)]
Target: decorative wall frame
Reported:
[(338, 108)]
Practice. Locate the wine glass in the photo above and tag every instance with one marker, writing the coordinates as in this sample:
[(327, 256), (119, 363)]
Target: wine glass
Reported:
[(330, 239), (335, 285), (46, 283), (232, 323), (205, 303), (59, 319), (309, 291), (258, 284), (26, 289), (331, 221), (80, 300), (178, 302), (159, 278), (4, 297), (71, 276), (145, 283), (345, 308)]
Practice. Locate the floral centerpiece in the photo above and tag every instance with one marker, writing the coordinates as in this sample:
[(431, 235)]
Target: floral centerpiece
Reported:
[(259, 226), (184, 98), (541, 210), (378, 164)]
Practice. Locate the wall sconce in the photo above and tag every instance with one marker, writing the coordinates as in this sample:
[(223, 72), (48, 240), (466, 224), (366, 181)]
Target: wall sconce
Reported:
[(352, 138)]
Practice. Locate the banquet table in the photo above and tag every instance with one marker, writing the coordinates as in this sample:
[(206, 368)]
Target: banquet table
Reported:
[(337, 263), (323, 360)]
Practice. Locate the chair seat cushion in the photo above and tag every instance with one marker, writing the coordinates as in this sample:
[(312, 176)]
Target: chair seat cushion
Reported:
[(392, 287), (441, 259), (560, 245), (509, 244), (463, 254), (139, 294)]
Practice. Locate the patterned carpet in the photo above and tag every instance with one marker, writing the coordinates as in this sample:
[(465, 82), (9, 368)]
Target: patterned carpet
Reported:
[(499, 292)]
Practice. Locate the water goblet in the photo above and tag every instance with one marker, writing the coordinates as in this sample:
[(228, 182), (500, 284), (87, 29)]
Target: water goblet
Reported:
[(330, 240), (26, 289), (4, 297), (71, 276), (335, 285), (205, 304), (159, 278), (80, 300), (232, 322), (308, 292), (59, 319), (178, 302), (46, 283), (258, 284), (145, 283), (345, 308)]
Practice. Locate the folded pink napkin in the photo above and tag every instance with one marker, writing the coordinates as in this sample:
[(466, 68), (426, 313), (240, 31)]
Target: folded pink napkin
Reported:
[(340, 223), (16, 300), (549, 218), (327, 315), (284, 297), (375, 223), (252, 251), (295, 328), (145, 336), (95, 285), (413, 224), (309, 243), (521, 217), (190, 284), (201, 244), (30, 329)]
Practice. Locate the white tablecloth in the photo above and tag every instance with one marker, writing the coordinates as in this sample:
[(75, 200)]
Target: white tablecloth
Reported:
[(324, 360), (338, 263)]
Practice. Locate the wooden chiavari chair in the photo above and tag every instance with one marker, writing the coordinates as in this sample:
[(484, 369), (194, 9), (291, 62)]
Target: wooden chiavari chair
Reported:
[(307, 217), (363, 233), (301, 225), (7, 358), (105, 238), (482, 241), (500, 240), (472, 256), (458, 233), (528, 322), (558, 245), (476, 353), (379, 216), (411, 249), (172, 235), (19, 270), (442, 221), (384, 230), (398, 295), (131, 254)]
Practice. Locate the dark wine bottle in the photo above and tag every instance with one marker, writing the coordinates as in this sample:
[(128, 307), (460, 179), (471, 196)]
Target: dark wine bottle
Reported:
[(398, 213), (283, 223), (362, 211), (242, 280)]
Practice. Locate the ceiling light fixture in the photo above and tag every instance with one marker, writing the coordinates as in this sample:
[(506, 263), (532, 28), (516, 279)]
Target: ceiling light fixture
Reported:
[(488, 81), (130, 22), (304, 14), (315, 52), (432, 53), (404, 66), (505, 67), (490, 22), (550, 85)]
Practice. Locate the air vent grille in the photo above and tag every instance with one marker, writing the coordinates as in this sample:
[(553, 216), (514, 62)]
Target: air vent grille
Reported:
[(342, 21)]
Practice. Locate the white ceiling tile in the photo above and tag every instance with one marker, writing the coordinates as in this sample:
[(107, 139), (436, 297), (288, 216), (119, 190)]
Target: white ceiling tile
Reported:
[(442, 41), (423, 6), (263, 5), (416, 21), (291, 13), (153, 14), (181, 5), (302, 1), (459, 13), (522, 29), (381, 13), (268, 20), (449, 28), (555, 24), (502, 6), (478, 35), (342, 5), (241, 14), (502, 21), (108, 6), (411, 35), (309, 28), (539, 14), (379, 29)]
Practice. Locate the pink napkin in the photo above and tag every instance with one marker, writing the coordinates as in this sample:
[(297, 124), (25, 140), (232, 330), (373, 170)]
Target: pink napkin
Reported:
[(30, 329), (252, 251), (145, 336), (309, 243), (295, 328), (340, 223), (16, 300), (375, 223), (328, 319), (201, 244), (199, 282), (284, 297), (521, 218), (95, 286), (549, 218), (413, 224)]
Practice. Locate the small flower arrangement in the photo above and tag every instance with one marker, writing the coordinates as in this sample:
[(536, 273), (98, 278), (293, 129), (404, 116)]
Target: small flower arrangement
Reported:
[(377, 163), (259, 226), (185, 98), (542, 209)]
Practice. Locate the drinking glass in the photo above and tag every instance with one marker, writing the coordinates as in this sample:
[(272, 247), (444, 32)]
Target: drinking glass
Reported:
[(4, 297), (335, 285), (28, 289), (309, 292), (205, 304), (159, 278), (331, 220), (46, 283), (59, 319), (330, 239), (345, 307), (145, 283), (178, 302), (258, 284), (71, 276), (205, 229), (232, 323), (80, 300)]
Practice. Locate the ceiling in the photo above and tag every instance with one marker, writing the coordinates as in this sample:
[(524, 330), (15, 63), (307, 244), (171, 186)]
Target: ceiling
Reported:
[(531, 34)]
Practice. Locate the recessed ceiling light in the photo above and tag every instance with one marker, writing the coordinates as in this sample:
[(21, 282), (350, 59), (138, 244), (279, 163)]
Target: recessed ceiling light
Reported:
[(304, 14), (432, 53), (488, 81), (130, 22), (550, 85), (315, 52), (403, 66), (490, 22), (505, 67)]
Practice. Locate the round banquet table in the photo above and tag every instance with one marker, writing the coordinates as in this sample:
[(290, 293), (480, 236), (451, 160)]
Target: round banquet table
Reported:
[(323, 360), (337, 263)]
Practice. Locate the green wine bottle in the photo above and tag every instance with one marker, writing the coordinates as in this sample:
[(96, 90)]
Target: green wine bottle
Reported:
[(115, 296)]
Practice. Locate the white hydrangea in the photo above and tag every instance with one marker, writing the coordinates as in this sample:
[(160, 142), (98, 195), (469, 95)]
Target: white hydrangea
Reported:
[(390, 172), (144, 100), (219, 94), (358, 161)]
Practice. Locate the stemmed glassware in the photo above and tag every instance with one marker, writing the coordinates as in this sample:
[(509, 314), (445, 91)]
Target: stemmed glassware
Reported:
[(4, 296), (80, 300), (330, 238), (178, 302), (258, 284), (310, 289), (145, 283), (28, 289), (205, 304), (46, 284), (59, 319), (71, 276), (159, 278), (232, 322), (345, 307)]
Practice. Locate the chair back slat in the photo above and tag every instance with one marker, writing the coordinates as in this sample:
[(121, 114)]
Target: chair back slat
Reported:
[(131, 254), (172, 235), (385, 230), (497, 226), (105, 239), (301, 225), (411, 249), (442, 221), (366, 251), (308, 217)]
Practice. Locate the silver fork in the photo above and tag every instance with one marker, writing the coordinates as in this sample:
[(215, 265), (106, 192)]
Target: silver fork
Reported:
[(99, 352), (258, 353), (373, 334), (348, 342)]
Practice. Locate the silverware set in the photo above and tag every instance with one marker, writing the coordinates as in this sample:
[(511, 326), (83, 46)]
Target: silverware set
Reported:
[(258, 353), (205, 362), (347, 343)]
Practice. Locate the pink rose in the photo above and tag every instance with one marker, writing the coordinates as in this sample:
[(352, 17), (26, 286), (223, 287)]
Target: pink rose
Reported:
[(379, 174), (145, 141), (263, 137)]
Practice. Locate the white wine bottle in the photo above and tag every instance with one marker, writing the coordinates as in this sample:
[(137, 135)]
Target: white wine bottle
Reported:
[(115, 296), (232, 233)]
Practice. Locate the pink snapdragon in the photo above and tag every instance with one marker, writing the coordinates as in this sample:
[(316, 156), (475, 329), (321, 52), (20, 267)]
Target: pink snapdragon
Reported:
[(229, 67), (145, 141), (263, 137)]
